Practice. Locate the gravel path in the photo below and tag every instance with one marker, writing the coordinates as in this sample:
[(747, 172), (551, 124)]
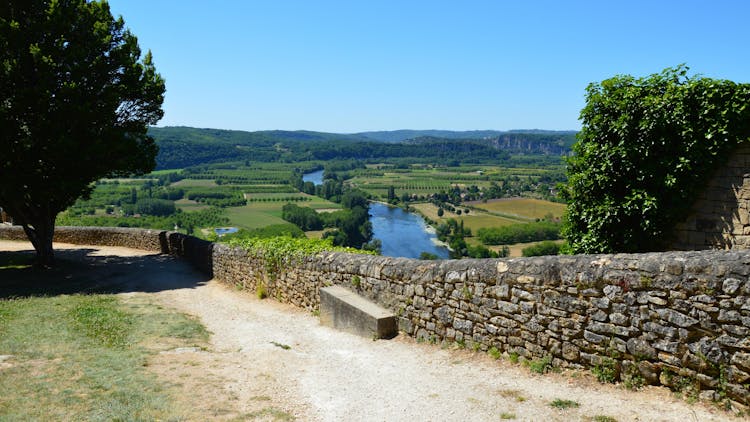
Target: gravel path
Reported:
[(268, 360)]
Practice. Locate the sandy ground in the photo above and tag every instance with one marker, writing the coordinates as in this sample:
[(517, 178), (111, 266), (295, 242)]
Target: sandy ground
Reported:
[(269, 361)]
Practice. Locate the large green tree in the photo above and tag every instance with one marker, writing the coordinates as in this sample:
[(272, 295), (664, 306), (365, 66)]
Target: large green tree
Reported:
[(646, 148), (76, 100)]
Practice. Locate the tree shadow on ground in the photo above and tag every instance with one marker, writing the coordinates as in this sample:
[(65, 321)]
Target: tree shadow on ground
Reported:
[(85, 272)]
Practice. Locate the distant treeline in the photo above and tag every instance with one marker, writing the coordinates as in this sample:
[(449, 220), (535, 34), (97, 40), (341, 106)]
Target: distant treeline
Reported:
[(351, 225), (181, 147), (520, 233)]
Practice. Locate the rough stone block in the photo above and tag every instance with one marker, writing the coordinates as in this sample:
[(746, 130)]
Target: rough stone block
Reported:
[(347, 311)]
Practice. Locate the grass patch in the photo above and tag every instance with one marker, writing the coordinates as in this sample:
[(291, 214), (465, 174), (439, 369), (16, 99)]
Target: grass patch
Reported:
[(513, 394), (474, 220), (101, 320), (260, 291), (269, 413), (603, 418), (564, 404), (606, 371), (494, 353), (281, 345), (477, 220), (264, 211), (194, 183), (188, 328), (16, 260), (190, 205), (507, 415), (84, 357), (539, 366), (255, 215)]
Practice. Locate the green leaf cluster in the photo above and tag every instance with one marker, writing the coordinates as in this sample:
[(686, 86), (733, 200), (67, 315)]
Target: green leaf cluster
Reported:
[(282, 252), (646, 149), (548, 247), (519, 233)]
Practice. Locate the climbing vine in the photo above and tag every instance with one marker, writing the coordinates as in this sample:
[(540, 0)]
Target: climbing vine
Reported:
[(282, 251), (646, 149)]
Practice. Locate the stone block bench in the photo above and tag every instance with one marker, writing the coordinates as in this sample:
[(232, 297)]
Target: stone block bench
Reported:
[(346, 311)]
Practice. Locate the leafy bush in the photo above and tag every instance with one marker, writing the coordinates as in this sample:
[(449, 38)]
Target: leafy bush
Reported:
[(480, 251), (519, 233), (305, 218), (189, 221), (157, 207), (279, 252), (547, 247), (646, 149), (540, 366), (606, 371)]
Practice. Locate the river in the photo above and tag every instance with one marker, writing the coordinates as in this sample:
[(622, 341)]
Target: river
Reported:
[(315, 177), (402, 234)]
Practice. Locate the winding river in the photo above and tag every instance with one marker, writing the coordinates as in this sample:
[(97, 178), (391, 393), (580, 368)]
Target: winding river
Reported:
[(402, 234)]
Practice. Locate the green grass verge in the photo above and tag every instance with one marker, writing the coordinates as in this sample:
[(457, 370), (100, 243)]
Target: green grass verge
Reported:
[(84, 357)]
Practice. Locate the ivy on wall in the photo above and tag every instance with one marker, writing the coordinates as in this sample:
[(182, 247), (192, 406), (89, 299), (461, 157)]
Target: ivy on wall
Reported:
[(646, 149), (281, 252)]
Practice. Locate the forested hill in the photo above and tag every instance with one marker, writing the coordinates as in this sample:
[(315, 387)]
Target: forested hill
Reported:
[(181, 147), (406, 134), (534, 135)]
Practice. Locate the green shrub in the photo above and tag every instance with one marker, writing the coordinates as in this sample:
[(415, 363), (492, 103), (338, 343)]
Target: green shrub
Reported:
[(540, 366), (494, 353), (279, 252), (520, 233), (646, 148), (547, 247), (606, 371)]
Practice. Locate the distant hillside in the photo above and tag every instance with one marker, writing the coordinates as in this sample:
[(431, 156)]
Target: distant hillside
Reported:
[(406, 134), (181, 147), (550, 143)]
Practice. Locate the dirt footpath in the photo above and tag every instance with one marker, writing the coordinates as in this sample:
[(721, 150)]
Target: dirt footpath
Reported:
[(271, 361)]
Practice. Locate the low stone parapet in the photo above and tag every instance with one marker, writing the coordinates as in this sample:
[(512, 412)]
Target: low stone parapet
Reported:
[(674, 318)]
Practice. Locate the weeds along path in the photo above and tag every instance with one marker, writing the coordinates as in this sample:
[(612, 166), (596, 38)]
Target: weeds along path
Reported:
[(271, 361)]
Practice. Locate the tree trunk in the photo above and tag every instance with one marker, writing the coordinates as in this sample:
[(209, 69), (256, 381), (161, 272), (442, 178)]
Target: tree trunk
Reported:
[(40, 233)]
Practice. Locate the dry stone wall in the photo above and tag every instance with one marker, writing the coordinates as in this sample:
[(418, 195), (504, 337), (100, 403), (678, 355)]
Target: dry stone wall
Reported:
[(677, 318), (195, 250)]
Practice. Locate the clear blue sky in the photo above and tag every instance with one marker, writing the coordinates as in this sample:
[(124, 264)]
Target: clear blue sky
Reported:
[(350, 66)]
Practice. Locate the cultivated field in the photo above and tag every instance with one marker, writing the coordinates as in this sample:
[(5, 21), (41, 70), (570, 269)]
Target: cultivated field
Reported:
[(522, 207), (264, 209)]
